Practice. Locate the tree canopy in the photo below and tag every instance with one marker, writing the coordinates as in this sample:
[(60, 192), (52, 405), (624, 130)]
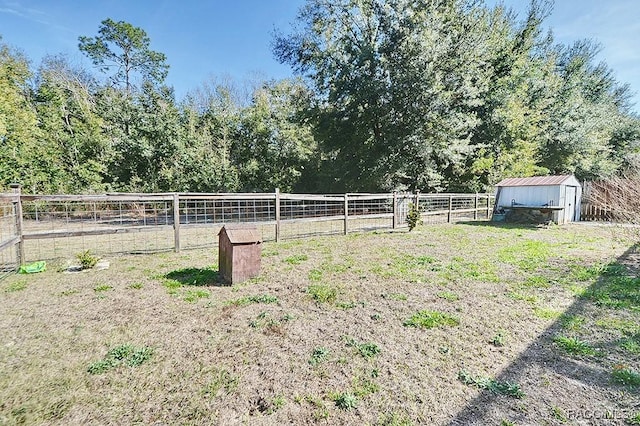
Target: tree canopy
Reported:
[(447, 95)]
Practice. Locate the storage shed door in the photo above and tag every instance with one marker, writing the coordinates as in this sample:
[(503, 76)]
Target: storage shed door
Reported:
[(570, 204)]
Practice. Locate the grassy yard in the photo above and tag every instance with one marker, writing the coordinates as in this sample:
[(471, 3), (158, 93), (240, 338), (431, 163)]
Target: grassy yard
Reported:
[(450, 324)]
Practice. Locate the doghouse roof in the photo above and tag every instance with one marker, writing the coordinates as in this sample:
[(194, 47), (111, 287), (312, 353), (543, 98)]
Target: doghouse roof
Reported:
[(569, 180), (241, 234)]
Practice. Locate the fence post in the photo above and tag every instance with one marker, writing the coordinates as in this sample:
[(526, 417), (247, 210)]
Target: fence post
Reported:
[(18, 212), (475, 207), (277, 215), (394, 222), (176, 222), (449, 215), (488, 206), (346, 214), (416, 201)]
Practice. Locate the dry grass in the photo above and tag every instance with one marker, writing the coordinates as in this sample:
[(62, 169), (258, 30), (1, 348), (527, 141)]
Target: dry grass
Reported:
[(271, 352)]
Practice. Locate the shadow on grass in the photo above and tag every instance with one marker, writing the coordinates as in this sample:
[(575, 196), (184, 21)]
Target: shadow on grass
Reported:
[(196, 277), (576, 389)]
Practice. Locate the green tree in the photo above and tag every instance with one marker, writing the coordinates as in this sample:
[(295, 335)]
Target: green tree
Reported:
[(210, 123), (123, 51), (23, 157), (144, 137), (396, 82), (590, 117), (71, 127), (274, 145), (514, 114)]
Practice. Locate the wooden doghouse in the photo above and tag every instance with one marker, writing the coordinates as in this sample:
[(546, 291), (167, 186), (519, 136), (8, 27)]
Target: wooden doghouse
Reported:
[(240, 249)]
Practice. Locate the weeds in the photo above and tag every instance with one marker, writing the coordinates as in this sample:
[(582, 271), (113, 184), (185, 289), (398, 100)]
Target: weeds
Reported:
[(221, 379), (16, 286), (363, 387), (447, 295), (194, 295), (322, 293), (634, 419), (490, 384), (396, 296), (631, 344), (315, 275), (546, 313), (121, 355), (345, 400), (574, 346), (394, 419), (459, 268), (276, 403), (405, 266), (557, 413), (572, 322), (625, 376), (136, 286), (296, 259), (248, 300), (102, 287), (319, 355), (431, 319), (498, 339), (616, 290), (367, 350)]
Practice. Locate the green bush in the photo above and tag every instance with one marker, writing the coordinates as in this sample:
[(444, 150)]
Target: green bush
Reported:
[(87, 260), (413, 217)]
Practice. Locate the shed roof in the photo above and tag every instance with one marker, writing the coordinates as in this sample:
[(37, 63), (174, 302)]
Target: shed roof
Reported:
[(241, 234), (540, 181)]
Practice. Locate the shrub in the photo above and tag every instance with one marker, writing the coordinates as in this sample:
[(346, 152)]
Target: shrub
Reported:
[(87, 260), (414, 217)]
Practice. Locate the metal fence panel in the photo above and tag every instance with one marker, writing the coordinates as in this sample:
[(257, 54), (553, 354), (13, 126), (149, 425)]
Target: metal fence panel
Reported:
[(61, 226), (8, 235)]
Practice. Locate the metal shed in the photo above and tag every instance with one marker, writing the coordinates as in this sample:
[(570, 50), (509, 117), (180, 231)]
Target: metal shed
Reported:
[(557, 198)]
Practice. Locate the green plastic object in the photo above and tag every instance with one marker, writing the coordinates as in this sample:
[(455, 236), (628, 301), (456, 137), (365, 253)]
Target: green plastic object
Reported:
[(33, 268)]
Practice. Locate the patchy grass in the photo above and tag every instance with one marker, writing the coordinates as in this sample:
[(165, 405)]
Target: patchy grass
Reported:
[(16, 286), (367, 350), (431, 319), (447, 295), (448, 325), (490, 384), (323, 293), (249, 300), (220, 379), (121, 355), (102, 288), (345, 400), (194, 295), (296, 259), (574, 346), (625, 376), (319, 355)]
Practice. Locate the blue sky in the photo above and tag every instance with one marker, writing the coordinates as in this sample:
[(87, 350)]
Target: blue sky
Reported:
[(223, 38)]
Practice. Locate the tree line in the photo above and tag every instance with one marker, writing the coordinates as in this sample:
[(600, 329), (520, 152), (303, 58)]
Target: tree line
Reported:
[(389, 95)]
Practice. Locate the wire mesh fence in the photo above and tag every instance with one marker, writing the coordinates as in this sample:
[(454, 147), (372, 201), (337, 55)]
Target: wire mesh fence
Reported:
[(9, 235), (441, 208), (61, 226)]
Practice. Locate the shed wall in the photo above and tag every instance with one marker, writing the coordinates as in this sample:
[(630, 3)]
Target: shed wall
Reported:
[(529, 195)]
